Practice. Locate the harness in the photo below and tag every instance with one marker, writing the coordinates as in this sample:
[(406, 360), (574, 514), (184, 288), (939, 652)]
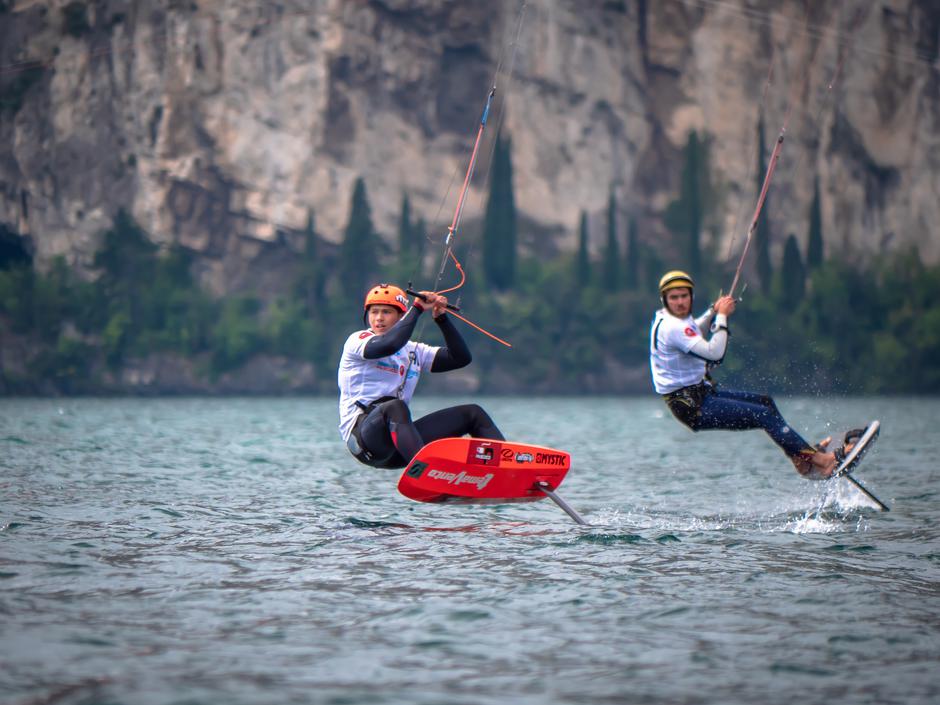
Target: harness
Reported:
[(354, 442), (686, 403)]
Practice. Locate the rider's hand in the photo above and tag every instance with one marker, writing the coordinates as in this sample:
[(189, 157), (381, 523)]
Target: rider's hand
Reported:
[(440, 305), (436, 302), (424, 300), (725, 305)]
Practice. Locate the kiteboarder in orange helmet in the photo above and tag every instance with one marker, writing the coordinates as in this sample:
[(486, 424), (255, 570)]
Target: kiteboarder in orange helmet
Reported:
[(378, 372)]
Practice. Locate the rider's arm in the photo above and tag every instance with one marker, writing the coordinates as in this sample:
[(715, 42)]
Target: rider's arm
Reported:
[(455, 353), (705, 319), (713, 349), (393, 341)]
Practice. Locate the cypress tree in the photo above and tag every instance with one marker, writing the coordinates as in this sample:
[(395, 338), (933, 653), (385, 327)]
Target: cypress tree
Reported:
[(583, 268), (499, 225), (358, 252), (653, 268), (762, 233), (632, 265), (127, 260), (409, 245), (814, 246), (692, 200), (612, 253), (310, 285), (793, 274), (685, 215), (126, 257), (406, 240), (419, 232)]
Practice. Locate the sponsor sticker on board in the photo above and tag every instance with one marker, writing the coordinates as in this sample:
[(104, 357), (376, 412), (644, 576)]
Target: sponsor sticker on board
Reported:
[(484, 453), (514, 455)]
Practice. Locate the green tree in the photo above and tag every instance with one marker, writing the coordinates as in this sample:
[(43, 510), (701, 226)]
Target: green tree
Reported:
[(612, 251), (685, 216), (762, 234), (814, 245), (410, 244), (46, 300), (311, 275), (290, 331), (632, 262), (406, 244), (692, 200), (359, 252), (792, 274), (127, 264), (653, 268), (126, 257), (177, 315), (582, 274), (236, 335), (420, 233), (499, 224)]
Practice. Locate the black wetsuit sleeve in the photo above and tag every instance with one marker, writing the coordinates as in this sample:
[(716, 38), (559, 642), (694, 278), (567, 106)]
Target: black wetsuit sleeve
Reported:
[(393, 341), (455, 353)]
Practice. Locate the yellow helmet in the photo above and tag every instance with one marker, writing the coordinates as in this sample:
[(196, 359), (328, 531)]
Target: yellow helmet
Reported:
[(674, 280)]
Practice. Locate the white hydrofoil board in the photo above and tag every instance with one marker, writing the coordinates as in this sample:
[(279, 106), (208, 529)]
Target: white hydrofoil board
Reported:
[(854, 456)]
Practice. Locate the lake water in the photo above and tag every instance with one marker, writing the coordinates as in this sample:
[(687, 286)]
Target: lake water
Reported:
[(230, 551)]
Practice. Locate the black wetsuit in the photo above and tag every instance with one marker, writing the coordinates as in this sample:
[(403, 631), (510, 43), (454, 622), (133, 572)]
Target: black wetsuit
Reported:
[(387, 435)]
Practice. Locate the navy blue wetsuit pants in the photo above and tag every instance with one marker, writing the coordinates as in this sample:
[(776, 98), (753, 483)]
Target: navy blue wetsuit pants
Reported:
[(392, 439), (739, 411)]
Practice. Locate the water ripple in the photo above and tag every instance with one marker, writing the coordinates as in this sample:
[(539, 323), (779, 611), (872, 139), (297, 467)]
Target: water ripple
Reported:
[(203, 551)]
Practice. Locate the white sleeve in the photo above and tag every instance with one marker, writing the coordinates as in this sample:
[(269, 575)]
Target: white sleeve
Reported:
[(356, 343), (713, 349), (425, 354), (705, 319)]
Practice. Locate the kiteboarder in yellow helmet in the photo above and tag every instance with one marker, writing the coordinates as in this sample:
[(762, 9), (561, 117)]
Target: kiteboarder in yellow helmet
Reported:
[(680, 356)]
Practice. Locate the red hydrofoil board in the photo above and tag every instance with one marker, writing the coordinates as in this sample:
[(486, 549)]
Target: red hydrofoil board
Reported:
[(481, 471)]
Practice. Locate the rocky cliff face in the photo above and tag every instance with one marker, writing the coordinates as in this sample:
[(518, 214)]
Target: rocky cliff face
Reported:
[(220, 124)]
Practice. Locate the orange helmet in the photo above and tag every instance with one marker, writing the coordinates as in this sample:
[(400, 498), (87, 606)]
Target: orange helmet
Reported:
[(387, 295)]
